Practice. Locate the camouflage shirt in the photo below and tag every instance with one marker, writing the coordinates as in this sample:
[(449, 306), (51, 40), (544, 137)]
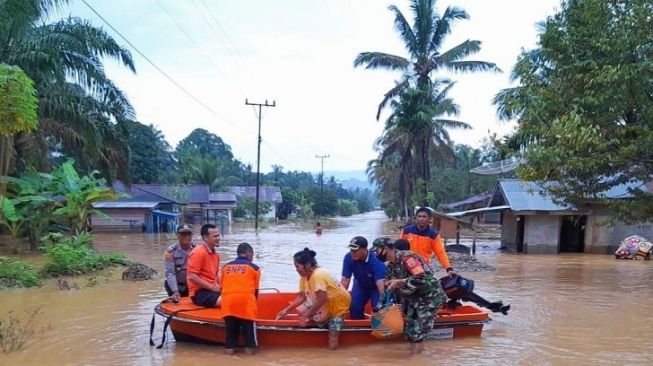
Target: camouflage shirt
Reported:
[(420, 277)]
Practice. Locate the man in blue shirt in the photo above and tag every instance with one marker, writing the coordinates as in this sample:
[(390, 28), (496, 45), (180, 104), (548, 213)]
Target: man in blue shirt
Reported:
[(369, 275)]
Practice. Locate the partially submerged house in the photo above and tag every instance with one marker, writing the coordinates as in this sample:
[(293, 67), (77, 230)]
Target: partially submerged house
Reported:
[(161, 208), (220, 207), (269, 194), (138, 210), (532, 222)]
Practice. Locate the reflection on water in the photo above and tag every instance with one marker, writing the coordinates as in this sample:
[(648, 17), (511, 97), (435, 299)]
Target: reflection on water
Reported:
[(566, 309)]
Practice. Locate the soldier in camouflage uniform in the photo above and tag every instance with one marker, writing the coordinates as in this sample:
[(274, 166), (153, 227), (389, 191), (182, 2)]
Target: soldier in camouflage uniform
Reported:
[(421, 292), (175, 263)]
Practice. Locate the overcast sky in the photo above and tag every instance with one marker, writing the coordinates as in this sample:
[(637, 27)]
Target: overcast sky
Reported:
[(298, 53)]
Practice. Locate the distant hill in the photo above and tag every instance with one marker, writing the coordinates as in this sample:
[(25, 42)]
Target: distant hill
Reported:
[(346, 175), (351, 179)]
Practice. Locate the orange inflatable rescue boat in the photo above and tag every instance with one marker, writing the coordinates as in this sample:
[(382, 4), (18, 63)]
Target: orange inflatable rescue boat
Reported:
[(192, 323)]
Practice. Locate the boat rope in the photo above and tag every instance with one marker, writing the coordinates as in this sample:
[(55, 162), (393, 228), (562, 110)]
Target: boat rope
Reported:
[(166, 324)]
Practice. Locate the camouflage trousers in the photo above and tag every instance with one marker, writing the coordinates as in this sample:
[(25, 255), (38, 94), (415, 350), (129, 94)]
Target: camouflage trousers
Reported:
[(420, 315)]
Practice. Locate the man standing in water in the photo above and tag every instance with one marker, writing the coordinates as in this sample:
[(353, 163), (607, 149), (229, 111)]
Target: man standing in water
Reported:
[(420, 291), (203, 264), (369, 275), (176, 257), (425, 241)]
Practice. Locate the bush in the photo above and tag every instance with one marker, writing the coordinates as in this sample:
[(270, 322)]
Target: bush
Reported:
[(17, 274), (347, 207), (71, 256), (16, 330)]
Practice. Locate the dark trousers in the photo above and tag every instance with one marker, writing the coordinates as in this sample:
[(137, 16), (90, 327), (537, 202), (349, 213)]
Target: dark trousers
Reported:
[(183, 290), (233, 326)]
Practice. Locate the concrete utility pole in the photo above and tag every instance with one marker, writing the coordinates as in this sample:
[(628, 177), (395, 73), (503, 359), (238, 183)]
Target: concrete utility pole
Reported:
[(322, 157), (258, 154)]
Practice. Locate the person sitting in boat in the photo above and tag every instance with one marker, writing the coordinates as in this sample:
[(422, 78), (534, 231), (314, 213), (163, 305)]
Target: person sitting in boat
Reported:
[(425, 241), (422, 294), (323, 300), (203, 264), (175, 259), (369, 276), (240, 284)]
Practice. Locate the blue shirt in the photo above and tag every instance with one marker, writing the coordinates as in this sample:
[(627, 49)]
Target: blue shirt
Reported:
[(365, 273)]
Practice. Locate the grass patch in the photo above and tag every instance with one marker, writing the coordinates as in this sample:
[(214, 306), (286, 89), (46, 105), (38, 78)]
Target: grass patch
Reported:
[(15, 273), (68, 259), (72, 256)]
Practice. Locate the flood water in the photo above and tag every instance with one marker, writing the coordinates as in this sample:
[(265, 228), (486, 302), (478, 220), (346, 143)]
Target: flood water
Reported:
[(566, 309)]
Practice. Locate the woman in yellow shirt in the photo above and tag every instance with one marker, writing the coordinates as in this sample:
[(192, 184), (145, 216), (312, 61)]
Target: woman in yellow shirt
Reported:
[(321, 298)]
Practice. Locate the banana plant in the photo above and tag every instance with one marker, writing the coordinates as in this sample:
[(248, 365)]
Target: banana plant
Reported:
[(79, 194)]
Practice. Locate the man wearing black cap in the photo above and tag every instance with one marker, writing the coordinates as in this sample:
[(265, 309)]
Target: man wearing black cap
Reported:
[(175, 263), (369, 275)]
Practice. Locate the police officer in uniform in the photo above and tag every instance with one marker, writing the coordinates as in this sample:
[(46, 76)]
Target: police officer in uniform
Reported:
[(175, 263)]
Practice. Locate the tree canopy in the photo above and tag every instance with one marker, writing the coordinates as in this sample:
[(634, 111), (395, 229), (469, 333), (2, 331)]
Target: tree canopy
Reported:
[(584, 103)]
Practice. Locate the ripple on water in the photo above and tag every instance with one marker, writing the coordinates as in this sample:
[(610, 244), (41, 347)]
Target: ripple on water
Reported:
[(566, 309)]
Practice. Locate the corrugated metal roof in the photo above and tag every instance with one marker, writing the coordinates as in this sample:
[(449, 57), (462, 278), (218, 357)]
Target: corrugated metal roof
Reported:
[(193, 193), (533, 196), (222, 197), (125, 204), (478, 210), (622, 190), (529, 196), (474, 199), (266, 193)]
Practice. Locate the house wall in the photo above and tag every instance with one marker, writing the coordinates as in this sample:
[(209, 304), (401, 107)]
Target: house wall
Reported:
[(121, 218), (193, 214), (603, 239), (541, 234), (509, 231)]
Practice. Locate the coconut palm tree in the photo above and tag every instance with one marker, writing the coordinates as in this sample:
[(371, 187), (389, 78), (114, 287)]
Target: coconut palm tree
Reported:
[(417, 130), (423, 41), (79, 107)]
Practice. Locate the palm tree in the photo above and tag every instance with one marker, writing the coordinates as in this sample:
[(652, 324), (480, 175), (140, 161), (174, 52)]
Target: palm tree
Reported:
[(79, 107), (423, 41), (417, 130)]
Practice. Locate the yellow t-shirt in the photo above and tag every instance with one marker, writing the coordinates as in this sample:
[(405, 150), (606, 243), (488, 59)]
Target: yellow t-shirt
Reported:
[(338, 299)]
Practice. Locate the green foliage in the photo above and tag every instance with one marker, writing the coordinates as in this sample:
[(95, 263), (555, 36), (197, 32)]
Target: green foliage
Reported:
[(324, 203), (78, 104), (72, 256), (347, 207), (423, 41), (585, 105), (80, 193), (151, 154), (14, 273), (202, 143), (246, 208), (18, 101)]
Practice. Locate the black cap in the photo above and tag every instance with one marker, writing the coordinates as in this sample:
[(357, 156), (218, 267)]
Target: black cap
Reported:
[(357, 242)]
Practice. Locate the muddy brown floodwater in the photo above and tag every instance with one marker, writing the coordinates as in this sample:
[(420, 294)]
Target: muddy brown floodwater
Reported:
[(566, 309)]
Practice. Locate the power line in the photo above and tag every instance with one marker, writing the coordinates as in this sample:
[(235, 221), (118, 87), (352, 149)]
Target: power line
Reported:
[(258, 153), (173, 81), (188, 36), (215, 33), (222, 30)]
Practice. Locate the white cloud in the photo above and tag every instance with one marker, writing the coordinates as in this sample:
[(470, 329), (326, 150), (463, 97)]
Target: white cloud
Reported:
[(298, 53)]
